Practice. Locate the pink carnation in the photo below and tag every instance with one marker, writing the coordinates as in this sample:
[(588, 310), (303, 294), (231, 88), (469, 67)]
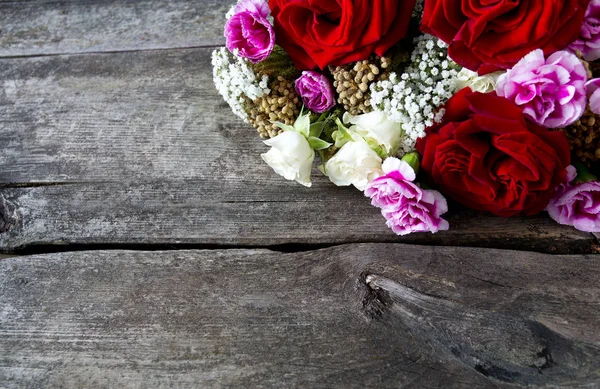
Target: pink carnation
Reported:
[(576, 205), (248, 33), (406, 206), (589, 36), (593, 91), (550, 91)]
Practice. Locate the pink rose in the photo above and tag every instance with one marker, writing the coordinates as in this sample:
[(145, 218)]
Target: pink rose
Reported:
[(576, 205), (406, 206), (550, 91)]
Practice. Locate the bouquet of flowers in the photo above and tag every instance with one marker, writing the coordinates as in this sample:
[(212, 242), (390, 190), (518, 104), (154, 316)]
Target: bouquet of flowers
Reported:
[(493, 105)]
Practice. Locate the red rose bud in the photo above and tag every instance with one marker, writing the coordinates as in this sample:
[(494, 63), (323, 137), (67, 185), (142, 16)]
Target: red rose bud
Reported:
[(485, 155), (337, 32), (498, 35)]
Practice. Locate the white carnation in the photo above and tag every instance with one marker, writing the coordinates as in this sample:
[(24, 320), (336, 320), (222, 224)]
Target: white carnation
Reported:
[(354, 164), (376, 127), (290, 156), (477, 83)]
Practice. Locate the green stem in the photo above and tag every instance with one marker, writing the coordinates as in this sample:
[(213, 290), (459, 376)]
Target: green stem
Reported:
[(583, 174)]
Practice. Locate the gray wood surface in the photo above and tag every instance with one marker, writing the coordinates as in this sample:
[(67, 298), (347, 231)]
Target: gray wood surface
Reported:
[(48, 27), (353, 316), (112, 135), (139, 148), (245, 213)]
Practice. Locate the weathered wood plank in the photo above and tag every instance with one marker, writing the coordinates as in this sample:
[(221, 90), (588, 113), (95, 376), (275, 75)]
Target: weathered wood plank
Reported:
[(138, 148), (50, 27), (252, 211), (118, 117), (350, 316)]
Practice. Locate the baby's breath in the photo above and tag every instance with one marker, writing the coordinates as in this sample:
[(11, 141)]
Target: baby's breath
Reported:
[(236, 80), (414, 97), (418, 10), (231, 12)]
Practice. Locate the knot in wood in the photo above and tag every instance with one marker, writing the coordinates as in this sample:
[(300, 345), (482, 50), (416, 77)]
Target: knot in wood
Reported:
[(8, 214), (376, 301)]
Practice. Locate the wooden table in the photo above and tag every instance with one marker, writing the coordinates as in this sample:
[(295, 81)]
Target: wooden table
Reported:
[(147, 245)]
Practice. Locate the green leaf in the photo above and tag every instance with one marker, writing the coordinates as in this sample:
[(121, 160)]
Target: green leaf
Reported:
[(583, 174), (318, 144), (322, 167), (316, 129), (376, 147), (323, 159), (342, 135), (302, 124), (284, 127)]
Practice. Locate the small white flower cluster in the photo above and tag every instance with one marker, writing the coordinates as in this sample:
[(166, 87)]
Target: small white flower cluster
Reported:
[(418, 10), (414, 97), (231, 11), (236, 80)]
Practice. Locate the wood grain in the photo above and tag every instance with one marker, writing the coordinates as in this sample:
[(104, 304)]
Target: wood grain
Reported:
[(352, 316), (255, 211), (31, 28), (118, 117), (139, 148)]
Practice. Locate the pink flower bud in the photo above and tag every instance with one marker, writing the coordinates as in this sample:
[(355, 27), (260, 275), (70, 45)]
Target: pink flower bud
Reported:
[(316, 91)]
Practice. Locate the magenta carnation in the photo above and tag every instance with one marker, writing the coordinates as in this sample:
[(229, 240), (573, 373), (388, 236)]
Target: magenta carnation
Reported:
[(550, 91), (576, 205), (248, 33), (406, 206), (316, 91), (588, 42)]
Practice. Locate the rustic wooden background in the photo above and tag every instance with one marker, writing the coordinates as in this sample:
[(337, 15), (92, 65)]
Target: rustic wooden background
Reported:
[(146, 244)]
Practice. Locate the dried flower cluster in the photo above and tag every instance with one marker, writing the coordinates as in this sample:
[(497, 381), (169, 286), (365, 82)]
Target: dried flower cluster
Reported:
[(352, 82), (584, 138), (282, 104)]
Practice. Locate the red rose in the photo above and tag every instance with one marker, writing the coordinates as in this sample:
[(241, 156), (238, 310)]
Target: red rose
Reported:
[(487, 156), (336, 32), (487, 35)]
